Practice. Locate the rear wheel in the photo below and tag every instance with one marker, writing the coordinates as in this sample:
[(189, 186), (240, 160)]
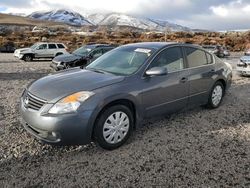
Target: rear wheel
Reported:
[(114, 127), (216, 95), (27, 58)]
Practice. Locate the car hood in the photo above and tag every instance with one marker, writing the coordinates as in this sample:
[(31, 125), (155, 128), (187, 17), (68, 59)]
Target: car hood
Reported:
[(24, 50), (56, 86), (66, 58)]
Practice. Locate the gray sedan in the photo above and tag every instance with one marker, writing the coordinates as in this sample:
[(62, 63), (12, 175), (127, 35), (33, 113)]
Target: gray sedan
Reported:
[(109, 98)]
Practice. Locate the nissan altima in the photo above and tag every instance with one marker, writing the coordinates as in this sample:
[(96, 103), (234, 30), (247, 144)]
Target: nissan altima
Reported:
[(108, 99)]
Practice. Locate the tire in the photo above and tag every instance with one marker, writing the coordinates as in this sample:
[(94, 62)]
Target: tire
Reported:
[(27, 58), (67, 66), (110, 136), (216, 95)]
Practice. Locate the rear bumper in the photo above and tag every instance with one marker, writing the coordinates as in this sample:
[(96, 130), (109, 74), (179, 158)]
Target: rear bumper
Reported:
[(64, 129)]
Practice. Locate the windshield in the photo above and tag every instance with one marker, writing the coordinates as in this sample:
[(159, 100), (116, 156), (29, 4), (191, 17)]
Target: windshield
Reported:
[(122, 61), (83, 51), (34, 46)]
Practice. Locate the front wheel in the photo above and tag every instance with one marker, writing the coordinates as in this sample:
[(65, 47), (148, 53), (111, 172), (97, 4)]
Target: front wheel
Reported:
[(216, 95), (27, 58), (113, 127)]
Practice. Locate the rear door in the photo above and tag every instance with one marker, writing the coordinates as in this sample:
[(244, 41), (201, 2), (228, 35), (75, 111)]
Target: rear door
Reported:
[(202, 70), (52, 50), (168, 93)]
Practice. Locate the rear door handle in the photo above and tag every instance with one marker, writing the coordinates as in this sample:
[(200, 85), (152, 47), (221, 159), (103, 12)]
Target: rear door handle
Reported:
[(184, 79)]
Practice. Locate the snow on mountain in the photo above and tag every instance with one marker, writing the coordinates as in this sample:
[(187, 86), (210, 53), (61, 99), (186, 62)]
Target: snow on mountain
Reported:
[(108, 19), (65, 16), (118, 19)]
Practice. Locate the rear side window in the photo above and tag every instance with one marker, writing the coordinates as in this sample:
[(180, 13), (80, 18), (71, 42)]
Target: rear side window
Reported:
[(170, 58), (60, 46), (52, 46), (196, 57)]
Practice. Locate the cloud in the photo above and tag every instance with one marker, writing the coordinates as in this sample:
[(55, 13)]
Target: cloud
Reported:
[(205, 14)]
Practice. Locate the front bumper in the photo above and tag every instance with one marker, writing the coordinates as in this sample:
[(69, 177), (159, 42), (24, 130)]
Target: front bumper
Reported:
[(64, 129), (18, 55), (56, 66), (243, 70)]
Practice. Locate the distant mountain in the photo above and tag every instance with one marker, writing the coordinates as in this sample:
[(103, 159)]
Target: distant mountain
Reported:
[(118, 19), (65, 16), (108, 19), (12, 20)]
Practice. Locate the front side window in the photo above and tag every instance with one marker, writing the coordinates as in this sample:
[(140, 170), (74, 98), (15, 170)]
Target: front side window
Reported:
[(196, 57), (42, 47), (52, 46), (122, 61), (171, 59)]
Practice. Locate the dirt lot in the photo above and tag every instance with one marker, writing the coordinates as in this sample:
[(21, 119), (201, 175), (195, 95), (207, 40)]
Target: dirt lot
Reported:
[(197, 148)]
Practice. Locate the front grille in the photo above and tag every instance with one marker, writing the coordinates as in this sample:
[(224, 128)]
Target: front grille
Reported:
[(33, 102)]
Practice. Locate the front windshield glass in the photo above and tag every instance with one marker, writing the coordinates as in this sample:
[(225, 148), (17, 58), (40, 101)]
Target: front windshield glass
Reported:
[(122, 61), (34, 46), (83, 51)]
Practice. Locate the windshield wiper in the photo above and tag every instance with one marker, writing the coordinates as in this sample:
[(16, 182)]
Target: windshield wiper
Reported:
[(97, 70)]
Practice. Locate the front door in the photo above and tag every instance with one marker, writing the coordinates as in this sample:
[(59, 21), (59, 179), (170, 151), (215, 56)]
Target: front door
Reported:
[(168, 93), (41, 51)]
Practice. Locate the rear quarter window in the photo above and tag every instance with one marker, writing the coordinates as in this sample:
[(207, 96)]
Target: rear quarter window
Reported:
[(196, 57), (60, 46)]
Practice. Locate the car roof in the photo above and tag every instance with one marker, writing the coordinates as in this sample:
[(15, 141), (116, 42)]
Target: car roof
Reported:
[(49, 43), (159, 45), (98, 45), (154, 45)]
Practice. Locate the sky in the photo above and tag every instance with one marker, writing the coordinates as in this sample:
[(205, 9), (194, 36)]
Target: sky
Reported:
[(196, 14)]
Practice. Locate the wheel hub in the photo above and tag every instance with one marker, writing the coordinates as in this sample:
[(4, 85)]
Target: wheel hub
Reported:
[(116, 127)]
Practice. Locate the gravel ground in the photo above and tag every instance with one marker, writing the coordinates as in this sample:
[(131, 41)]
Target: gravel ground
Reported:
[(195, 148)]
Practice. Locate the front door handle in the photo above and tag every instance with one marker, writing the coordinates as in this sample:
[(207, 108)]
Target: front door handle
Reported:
[(184, 79)]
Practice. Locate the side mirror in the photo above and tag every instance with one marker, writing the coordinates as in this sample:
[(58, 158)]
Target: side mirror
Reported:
[(156, 71)]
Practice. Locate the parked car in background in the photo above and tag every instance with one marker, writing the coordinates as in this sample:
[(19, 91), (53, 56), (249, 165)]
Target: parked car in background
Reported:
[(110, 97), (226, 52), (41, 50), (219, 51), (243, 67), (8, 47), (80, 57), (247, 52)]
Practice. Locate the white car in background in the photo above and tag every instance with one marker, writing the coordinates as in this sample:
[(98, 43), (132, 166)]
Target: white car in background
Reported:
[(243, 67), (247, 52), (41, 50)]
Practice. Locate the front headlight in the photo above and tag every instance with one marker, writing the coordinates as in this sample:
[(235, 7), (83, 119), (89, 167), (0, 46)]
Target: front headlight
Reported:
[(70, 103)]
